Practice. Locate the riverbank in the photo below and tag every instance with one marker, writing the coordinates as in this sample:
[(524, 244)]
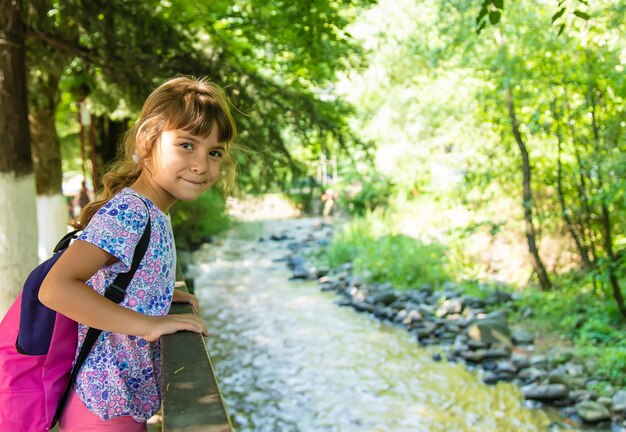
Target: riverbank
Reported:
[(476, 332), (287, 358)]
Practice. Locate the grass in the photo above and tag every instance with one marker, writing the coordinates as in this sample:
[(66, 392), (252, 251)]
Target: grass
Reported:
[(574, 313), (382, 255), (589, 322)]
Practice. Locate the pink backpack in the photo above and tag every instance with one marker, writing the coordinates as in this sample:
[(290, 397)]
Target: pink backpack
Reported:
[(31, 386), (37, 349)]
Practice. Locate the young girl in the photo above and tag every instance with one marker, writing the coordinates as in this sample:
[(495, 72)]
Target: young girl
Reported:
[(177, 149)]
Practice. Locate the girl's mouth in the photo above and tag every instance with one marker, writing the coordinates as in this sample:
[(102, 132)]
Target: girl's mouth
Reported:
[(197, 183)]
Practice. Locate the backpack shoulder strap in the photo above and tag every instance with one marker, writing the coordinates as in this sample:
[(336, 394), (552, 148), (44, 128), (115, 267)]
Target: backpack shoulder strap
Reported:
[(65, 241)]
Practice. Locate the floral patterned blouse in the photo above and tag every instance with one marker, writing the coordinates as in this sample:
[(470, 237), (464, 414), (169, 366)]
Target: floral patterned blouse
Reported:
[(121, 376)]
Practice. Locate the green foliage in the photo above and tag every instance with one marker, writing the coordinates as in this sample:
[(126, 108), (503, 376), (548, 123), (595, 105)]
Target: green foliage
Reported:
[(194, 222), (276, 60), (382, 256), (608, 362), (492, 10), (302, 201), (593, 325), (445, 129), (372, 195)]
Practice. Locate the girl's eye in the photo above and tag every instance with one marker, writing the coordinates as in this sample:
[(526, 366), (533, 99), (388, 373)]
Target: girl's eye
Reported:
[(187, 146), (216, 154)]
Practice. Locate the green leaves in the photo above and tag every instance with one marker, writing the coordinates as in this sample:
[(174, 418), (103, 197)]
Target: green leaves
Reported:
[(273, 58), (558, 15), (491, 9), (581, 14)]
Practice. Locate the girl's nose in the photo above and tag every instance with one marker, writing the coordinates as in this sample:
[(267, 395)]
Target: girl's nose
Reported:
[(199, 166)]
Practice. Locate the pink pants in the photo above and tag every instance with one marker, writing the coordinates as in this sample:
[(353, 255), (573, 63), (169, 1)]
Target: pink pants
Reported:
[(77, 418)]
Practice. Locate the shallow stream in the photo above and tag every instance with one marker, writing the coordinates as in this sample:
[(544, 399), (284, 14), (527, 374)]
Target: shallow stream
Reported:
[(289, 359)]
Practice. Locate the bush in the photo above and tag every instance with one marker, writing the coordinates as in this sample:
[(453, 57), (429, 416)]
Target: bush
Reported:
[(195, 222), (372, 195), (609, 363), (591, 323), (386, 257)]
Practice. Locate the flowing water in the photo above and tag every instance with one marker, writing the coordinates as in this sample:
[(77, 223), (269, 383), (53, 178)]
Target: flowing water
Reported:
[(289, 359)]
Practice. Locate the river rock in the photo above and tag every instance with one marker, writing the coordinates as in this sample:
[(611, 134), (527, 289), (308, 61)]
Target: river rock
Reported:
[(498, 297), (559, 356), (385, 297), (558, 377), (362, 306), (522, 337), (473, 302), (490, 378), (618, 403), (506, 366), (545, 392), (279, 237), (592, 412), (342, 275), (416, 297), (539, 361), (474, 356), (324, 279), (575, 370), (475, 344), (520, 361), (412, 316), (490, 330), (426, 310), (300, 273), (322, 271), (426, 289), (505, 376), (531, 374), (452, 327), (424, 330), (327, 286), (498, 353), (450, 306), (384, 313), (343, 302), (579, 395)]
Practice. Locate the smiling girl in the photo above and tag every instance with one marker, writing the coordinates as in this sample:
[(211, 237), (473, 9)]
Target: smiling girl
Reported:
[(178, 148)]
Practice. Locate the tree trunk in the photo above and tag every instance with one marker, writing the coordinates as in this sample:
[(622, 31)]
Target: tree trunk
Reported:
[(108, 141), (535, 259), (606, 216), (586, 225), (613, 262), (18, 220), (582, 249), (52, 212)]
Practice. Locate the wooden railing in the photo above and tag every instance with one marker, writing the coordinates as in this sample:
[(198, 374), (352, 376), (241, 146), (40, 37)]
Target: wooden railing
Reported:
[(191, 397)]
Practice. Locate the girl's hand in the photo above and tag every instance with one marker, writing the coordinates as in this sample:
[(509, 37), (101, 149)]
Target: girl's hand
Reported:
[(184, 297), (169, 324)]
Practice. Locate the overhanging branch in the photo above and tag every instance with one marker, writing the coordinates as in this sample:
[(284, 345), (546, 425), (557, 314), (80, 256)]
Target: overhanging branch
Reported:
[(63, 45)]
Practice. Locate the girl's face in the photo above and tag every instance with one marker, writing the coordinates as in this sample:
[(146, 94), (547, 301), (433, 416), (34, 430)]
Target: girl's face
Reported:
[(182, 166)]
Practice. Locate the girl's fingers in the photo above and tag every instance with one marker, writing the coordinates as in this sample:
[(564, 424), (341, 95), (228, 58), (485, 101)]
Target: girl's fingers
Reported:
[(196, 324), (174, 323)]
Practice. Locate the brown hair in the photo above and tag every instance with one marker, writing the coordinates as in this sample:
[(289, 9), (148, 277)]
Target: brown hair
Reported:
[(191, 104)]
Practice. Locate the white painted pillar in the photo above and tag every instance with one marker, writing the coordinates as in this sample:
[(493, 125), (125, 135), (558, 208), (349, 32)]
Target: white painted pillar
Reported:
[(52, 218), (18, 235)]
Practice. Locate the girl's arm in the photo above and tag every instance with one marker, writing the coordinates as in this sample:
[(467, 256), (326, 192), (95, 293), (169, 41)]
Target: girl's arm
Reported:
[(65, 291)]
